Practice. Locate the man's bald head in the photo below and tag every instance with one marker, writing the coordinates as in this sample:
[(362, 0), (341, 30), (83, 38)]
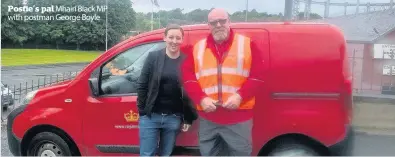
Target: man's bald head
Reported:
[(218, 13), (219, 23)]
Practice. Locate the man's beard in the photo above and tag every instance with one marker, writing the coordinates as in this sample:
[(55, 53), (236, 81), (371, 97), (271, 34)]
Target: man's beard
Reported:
[(220, 36)]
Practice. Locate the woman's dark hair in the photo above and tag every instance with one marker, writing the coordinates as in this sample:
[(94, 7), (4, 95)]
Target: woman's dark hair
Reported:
[(174, 26)]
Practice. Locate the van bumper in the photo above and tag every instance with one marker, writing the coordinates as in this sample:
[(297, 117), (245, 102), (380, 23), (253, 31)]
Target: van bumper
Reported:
[(344, 147), (14, 143)]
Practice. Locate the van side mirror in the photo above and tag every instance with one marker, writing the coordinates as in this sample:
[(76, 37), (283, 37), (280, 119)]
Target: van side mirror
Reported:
[(94, 85), (6, 86)]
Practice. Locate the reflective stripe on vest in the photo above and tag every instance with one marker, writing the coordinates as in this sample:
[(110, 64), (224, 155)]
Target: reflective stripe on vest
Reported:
[(234, 70), (225, 89), (213, 71)]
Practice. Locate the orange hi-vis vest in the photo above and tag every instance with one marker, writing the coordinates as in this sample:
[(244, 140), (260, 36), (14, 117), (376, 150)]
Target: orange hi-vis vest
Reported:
[(220, 81)]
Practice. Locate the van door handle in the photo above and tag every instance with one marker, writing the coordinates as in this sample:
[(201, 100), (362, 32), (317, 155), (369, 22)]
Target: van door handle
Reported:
[(68, 100)]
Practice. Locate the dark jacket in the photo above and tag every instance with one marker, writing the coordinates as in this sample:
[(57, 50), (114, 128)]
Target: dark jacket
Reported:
[(148, 86)]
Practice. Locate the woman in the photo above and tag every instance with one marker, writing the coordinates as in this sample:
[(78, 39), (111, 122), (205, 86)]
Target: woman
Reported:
[(162, 104)]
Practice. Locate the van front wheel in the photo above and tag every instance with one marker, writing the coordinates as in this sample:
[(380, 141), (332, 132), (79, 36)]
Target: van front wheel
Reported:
[(48, 144)]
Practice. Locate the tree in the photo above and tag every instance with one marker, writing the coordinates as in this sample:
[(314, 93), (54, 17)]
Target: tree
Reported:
[(13, 30), (197, 15), (312, 16), (59, 32)]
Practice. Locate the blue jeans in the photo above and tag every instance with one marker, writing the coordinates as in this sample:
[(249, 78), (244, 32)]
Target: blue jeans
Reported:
[(159, 128)]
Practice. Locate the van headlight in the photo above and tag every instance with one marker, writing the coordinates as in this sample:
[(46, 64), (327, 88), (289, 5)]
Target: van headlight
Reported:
[(29, 96)]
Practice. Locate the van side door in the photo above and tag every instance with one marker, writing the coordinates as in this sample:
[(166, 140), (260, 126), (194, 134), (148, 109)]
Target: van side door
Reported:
[(261, 37)]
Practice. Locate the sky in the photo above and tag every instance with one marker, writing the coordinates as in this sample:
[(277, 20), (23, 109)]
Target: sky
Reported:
[(269, 6)]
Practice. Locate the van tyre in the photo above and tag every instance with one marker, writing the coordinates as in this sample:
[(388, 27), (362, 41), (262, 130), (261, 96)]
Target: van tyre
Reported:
[(293, 148), (48, 144)]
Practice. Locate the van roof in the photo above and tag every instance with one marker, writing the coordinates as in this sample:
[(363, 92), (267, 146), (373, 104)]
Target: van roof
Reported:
[(239, 25), (271, 26)]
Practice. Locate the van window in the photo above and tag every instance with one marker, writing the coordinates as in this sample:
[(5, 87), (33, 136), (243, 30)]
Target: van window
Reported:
[(120, 74)]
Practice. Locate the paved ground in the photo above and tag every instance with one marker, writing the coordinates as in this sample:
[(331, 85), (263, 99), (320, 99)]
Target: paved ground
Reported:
[(21, 74), (374, 145), (375, 118)]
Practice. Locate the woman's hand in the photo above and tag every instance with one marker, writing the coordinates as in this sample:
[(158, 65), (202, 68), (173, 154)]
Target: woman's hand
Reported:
[(185, 127)]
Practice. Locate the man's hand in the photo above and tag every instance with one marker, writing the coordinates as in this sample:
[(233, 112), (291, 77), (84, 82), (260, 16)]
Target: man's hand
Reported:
[(233, 102), (208, 104), (185, 127)]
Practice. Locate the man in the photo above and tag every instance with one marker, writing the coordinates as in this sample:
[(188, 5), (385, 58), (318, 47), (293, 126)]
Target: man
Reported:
[(224, 92)]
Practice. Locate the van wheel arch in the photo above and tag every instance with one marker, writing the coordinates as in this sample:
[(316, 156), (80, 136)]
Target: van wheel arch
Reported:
[(48, 128), (303, 139)]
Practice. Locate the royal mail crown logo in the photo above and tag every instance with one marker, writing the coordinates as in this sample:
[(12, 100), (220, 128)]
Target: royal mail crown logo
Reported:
[(131, 116)]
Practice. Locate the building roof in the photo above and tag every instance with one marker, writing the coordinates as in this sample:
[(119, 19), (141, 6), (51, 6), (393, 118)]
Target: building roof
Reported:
[(364, 27)]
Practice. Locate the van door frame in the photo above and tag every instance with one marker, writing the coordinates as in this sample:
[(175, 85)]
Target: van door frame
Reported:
[(114, 148)]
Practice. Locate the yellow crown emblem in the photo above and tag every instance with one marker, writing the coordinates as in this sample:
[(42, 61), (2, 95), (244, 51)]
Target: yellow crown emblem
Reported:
[(131, 116)]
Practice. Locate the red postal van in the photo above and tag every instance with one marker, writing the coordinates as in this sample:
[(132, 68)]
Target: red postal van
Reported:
[(304, 108)]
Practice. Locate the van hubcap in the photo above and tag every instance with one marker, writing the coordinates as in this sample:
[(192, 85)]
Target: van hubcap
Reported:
[(293, 152), (48, 153), (49, 150)]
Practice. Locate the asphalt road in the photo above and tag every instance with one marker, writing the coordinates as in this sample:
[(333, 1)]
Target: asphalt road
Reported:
[(22, 74)]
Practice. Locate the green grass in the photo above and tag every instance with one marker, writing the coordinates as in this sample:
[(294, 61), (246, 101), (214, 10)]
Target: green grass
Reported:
[(16, 57)]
